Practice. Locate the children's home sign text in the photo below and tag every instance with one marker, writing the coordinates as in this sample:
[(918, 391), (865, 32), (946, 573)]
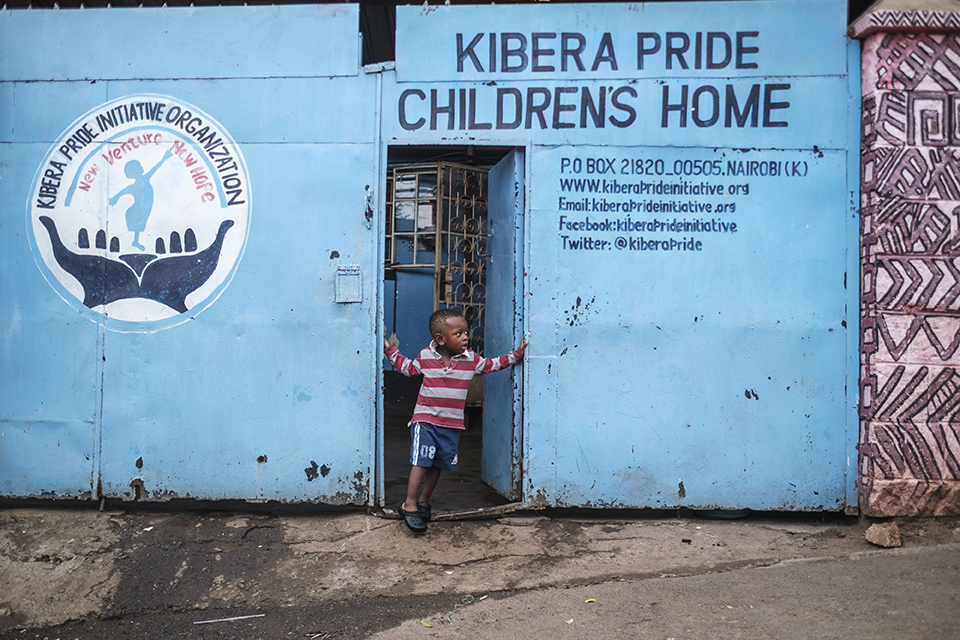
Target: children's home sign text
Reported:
[(673, 66), (651, 200)]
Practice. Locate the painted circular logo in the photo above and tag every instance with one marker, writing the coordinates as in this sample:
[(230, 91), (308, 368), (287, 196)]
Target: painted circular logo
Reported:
[(139, 213)]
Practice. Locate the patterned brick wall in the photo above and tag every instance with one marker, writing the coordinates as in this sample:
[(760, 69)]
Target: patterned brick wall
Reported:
[(909, 440)]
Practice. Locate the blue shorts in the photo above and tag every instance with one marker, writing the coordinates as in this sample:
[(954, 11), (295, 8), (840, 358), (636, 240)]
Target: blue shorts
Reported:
[(433, 446)]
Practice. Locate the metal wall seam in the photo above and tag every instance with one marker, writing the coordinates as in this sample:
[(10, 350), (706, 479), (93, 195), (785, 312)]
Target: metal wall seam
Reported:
[(852, 281), (377, 494)]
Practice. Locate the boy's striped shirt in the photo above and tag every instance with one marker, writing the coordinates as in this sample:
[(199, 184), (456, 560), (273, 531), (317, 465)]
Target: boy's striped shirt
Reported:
[(443, 393)]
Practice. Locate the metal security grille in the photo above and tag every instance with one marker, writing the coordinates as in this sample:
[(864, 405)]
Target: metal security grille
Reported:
[(412, 218), (437, 218), (462, 238)]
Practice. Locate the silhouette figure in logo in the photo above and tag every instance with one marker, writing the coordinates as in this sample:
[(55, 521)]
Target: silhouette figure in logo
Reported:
[(142, 192), (166, 280)]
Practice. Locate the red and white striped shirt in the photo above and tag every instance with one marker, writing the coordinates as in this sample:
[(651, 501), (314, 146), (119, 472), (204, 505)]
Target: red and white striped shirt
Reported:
[(443, 393)]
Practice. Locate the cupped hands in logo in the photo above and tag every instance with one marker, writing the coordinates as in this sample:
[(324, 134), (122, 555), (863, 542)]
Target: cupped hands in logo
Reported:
[(167, 280)]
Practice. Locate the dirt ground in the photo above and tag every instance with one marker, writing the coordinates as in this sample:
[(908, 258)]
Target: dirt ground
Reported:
[(155, 573), (244, 571)]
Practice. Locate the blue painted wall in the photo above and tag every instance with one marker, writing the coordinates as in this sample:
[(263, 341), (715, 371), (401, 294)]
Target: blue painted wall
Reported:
[(718, 370), (247, 395), (700, 366)]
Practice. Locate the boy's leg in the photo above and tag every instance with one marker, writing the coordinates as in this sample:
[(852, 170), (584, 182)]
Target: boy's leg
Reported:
[(430, 446), (429, 484), (417, 475)]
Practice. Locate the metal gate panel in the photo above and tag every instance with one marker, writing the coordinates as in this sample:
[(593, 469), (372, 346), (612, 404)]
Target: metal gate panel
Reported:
[(257, 383), (270, 391), (715, 372), (724, 383), (49, 378), (49, 391), (502, 392)]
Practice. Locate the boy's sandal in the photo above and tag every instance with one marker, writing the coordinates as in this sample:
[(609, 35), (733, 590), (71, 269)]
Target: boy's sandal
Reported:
[(413, 520), (424, 510)]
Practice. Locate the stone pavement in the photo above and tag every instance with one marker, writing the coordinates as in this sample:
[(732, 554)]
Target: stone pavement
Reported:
[(645, 571)]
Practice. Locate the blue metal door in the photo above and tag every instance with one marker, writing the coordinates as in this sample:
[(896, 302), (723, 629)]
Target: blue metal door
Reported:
[(502, 406), (206, 328), (691, 231)]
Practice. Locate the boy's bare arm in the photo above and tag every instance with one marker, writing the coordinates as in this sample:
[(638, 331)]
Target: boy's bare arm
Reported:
[(522, 347)]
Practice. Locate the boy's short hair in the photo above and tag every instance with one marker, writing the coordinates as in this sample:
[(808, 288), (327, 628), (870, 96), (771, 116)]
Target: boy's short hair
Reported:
[(439, 317)]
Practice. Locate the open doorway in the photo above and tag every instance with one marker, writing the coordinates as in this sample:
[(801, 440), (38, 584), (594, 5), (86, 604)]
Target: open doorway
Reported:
[(453, 228)]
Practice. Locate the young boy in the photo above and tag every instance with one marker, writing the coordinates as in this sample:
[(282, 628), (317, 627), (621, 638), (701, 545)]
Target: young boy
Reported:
[(447, 366)]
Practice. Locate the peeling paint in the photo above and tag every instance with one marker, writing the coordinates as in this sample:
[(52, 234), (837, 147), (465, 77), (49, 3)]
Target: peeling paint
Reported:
[(139, 491)]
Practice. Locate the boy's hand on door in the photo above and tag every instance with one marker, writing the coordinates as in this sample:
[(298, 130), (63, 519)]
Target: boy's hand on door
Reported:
[(522, 347)]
